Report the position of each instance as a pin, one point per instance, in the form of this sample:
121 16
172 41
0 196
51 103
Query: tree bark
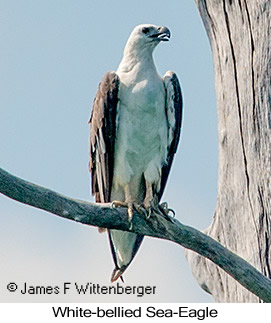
240 36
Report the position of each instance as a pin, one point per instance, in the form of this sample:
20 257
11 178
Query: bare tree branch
103 215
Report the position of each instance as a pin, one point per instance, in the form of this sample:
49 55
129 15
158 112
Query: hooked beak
162 34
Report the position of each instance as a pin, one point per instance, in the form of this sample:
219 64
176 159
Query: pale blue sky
53 55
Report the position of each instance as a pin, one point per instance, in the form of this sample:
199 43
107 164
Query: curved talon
164 205
130 211
172 211
112 205
140 209
149 213
115 204
164 208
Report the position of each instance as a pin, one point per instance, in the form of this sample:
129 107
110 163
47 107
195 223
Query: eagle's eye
145 30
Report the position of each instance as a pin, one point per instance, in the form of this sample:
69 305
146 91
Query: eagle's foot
165 211
151 206
159 209
118 204
130 210
131 207
149 211
139 209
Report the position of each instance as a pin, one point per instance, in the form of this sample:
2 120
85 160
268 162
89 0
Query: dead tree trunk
240 35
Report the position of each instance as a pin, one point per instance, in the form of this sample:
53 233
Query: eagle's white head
144 38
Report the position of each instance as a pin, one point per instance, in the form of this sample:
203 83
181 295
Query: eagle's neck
136 58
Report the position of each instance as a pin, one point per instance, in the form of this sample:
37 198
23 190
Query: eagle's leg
148 198
129 203
132 204
151 204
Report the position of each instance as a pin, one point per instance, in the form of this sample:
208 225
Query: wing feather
102 136
174 107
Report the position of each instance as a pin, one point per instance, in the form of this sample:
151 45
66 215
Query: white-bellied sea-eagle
135 129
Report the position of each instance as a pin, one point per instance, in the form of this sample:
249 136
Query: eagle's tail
124 246
116 274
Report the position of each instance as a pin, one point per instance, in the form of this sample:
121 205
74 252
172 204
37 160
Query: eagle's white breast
141 138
